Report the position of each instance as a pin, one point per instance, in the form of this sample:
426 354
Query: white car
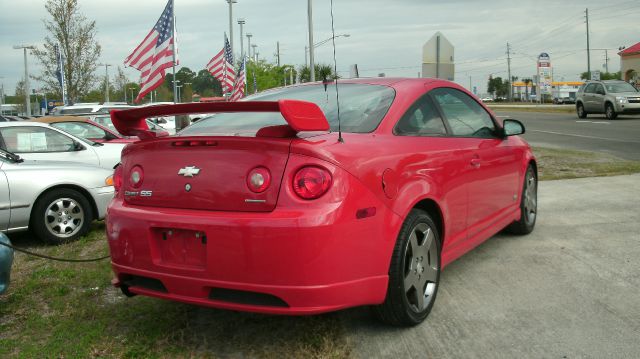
56 200
90 108
487 99
40 142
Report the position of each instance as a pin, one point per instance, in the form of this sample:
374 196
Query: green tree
604 75
77 38
323 71
205 85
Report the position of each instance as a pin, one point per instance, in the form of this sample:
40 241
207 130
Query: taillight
136 176
258 179
311 182
117 178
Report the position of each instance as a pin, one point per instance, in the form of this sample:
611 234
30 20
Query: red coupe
290 204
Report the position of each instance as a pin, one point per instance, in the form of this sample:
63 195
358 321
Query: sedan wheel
414 272
61 215
528 204
610 112
581 112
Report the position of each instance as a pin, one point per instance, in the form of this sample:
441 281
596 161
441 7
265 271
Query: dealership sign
545 77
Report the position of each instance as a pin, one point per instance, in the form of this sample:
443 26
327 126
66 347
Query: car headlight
621 99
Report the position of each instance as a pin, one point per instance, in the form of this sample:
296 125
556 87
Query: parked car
105 120
610 97
7 118
288 210
56 200
82 127
487 99
89 108
38 141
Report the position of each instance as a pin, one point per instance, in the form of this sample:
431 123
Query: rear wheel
610 112
580 110
414 273
61 215
528 204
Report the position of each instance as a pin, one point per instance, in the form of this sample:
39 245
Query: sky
386 36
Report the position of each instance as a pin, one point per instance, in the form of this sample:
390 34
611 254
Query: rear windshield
362 107
74 111
620 87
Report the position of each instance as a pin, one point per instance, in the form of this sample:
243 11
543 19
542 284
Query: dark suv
611 97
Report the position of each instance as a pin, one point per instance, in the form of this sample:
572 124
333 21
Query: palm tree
526 87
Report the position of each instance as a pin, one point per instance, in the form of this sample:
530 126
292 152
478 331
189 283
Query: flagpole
175 49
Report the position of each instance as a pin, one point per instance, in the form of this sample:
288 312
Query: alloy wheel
64 217
421 266
530 197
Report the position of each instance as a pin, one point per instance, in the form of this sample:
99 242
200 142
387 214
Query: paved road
595 133
571 289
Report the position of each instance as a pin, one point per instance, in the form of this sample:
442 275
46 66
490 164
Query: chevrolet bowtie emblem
189 171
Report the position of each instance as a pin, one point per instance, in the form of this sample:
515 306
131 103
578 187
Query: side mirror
77 146
6 260
512 127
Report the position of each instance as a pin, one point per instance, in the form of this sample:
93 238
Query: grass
565 164
67 310
521 108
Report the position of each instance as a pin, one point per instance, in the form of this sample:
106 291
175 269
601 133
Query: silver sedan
56 200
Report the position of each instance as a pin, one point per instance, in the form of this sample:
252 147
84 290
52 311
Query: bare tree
77 38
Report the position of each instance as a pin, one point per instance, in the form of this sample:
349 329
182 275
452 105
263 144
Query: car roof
56 119
22 123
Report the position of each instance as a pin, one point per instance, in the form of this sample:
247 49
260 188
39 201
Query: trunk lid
210 175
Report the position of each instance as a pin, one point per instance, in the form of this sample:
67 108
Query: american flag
221 67
241 81
155 53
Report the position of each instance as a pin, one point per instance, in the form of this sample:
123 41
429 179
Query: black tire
69 208
610 112
580 110
402 306
528 204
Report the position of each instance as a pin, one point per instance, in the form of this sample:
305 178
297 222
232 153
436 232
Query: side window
35 139
590 88
422 119
599 89
81 129
464 115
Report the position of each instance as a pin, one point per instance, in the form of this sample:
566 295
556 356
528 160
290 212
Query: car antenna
335 70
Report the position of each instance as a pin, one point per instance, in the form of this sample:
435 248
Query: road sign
595 75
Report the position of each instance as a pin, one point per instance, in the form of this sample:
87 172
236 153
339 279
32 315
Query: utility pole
278 52
106 81
312 68
231 2
255 55
606 61
26 77
1 96
509 72
249 35
586 11
241 22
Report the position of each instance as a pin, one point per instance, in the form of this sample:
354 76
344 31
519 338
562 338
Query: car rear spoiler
300 115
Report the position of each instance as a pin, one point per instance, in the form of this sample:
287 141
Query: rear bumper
310 259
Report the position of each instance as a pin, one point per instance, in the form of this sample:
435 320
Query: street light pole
255 55
231 2
179 98
189 83
131 89
311 64
241 22
26 77
106 81
249 35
